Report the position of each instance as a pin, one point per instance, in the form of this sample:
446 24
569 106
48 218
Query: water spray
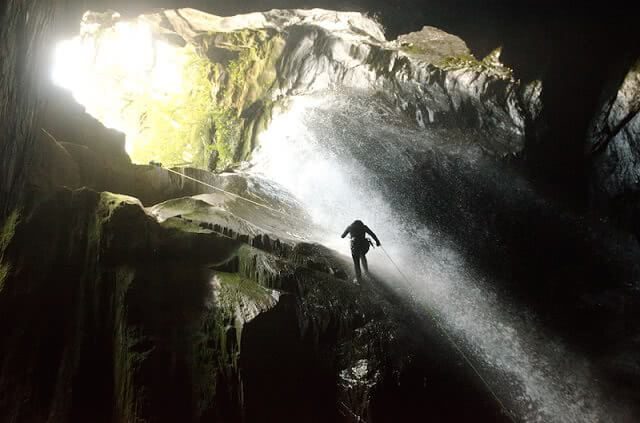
455 345
440 327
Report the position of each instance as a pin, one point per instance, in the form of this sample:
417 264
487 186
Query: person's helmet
358 223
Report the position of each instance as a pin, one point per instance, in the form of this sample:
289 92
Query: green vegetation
234 290
4 273
176 128
209 115
218 341
6 235
183 225
253 72
412 48
9 230
240 88
490 64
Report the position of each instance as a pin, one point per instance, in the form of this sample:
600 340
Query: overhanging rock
232 71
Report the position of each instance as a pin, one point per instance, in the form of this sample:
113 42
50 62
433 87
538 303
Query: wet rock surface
95 311
430 77
614 150
108 315
570 274
433 45
21 46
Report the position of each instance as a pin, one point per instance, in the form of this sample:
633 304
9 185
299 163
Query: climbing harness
435 320
455 345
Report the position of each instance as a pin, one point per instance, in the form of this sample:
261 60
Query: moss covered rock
208 85
107 315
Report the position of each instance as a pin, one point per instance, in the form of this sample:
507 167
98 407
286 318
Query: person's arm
370 232
346 231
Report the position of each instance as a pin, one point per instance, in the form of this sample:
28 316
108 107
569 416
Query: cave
176 176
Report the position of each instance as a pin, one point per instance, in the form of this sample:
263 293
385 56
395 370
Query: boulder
433 45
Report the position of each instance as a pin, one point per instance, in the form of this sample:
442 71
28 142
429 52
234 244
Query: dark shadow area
436 378
549 257
289 378
577 274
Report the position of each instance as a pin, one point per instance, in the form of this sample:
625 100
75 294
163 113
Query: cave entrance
156 91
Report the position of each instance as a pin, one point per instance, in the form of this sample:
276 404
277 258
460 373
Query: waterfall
349 155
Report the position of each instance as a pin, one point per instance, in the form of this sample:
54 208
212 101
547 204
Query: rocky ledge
109 315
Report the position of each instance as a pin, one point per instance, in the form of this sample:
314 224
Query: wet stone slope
108 315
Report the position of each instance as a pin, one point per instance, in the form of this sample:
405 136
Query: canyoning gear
358 231
360 245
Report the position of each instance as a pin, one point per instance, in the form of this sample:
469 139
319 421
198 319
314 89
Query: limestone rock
433 45
248 64
614 139
172 323
53 166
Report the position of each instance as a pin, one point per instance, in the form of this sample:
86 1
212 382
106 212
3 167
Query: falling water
342 155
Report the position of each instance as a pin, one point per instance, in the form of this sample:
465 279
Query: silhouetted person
360 245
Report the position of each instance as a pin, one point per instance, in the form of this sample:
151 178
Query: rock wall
614 153
72 317
323 50
23 26
108 315
251 63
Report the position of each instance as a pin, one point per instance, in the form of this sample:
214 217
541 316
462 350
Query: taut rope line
229 193
456 346
436 321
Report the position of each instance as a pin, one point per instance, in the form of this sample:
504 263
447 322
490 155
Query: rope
208 185
455 345
227 192
353 415
435 320
49 135
264 206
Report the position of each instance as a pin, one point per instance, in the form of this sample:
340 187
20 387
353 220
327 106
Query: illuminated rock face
108 315
155 93
614 139
192 88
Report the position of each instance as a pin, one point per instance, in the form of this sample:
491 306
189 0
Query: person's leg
365 265
356 265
